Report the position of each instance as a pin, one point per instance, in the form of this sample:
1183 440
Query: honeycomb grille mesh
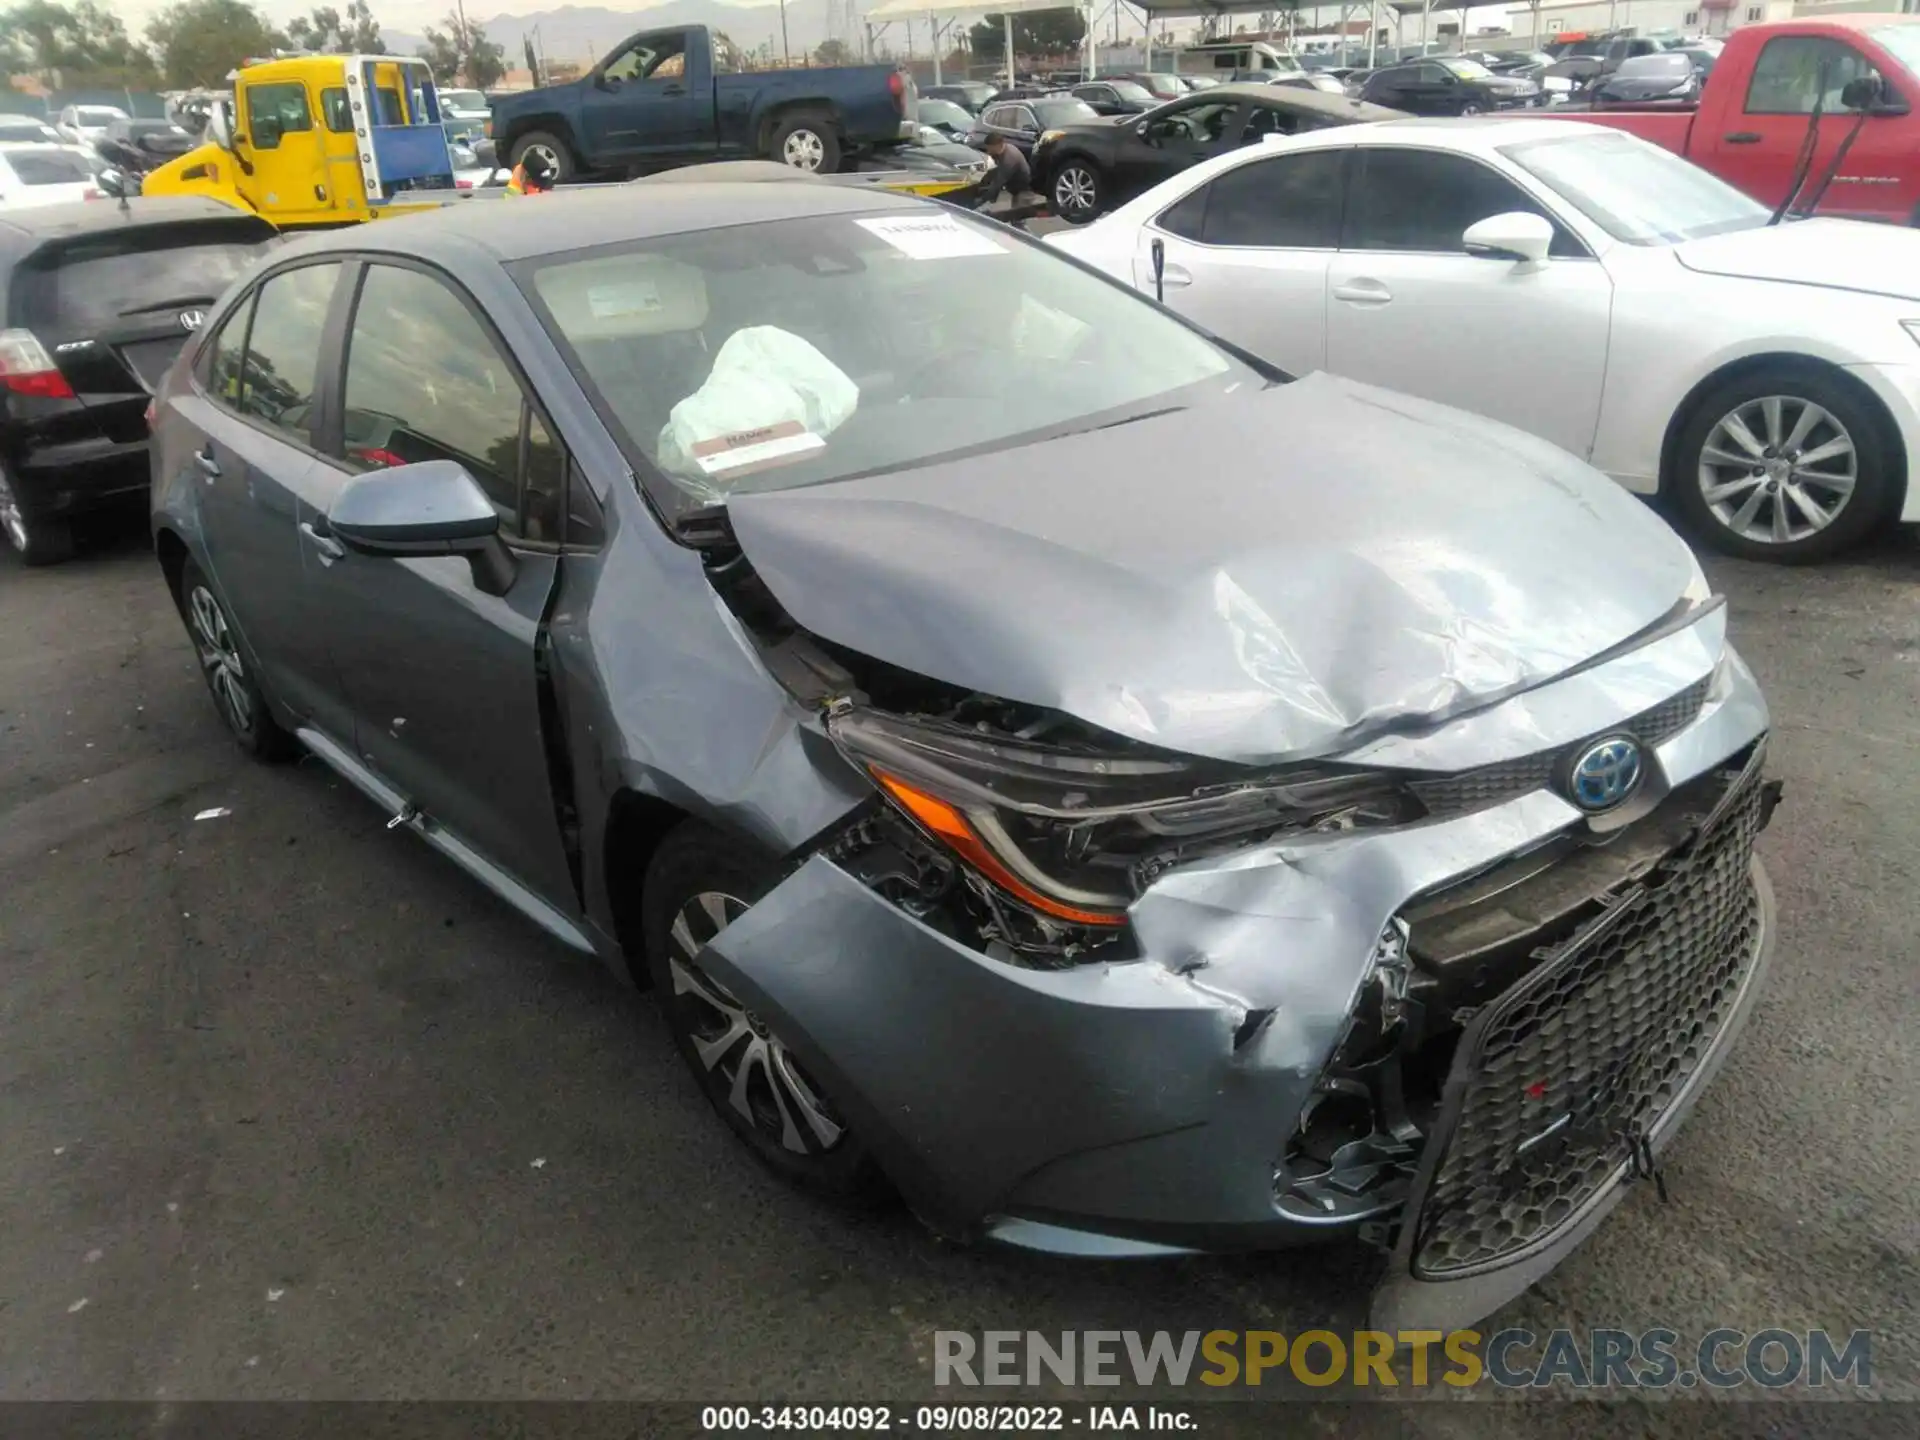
1606 1034
1493 784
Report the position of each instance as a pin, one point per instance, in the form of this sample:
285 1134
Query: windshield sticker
629 297
745 451
933 237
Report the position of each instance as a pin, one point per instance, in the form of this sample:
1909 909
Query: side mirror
1516 236
114 182
220 125
1872 94
433 507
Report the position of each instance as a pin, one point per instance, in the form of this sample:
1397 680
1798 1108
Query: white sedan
34 175
1574 282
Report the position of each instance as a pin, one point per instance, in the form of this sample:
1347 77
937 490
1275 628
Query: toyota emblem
191 320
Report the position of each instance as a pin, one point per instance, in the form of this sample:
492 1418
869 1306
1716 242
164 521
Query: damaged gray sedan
1125 800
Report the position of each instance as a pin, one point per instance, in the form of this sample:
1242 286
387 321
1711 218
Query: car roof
512 229
1298 98
22 230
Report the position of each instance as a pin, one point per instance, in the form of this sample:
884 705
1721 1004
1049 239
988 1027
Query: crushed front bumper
1143 1107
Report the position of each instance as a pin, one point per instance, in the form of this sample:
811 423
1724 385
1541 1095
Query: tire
697 874
236 694
807 141
1473 107
565 167
1077 191
1819 448
38 540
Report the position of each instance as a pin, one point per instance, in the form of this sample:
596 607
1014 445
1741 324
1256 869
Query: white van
1235 60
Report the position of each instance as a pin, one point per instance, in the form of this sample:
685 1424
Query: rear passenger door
443 679
1247 254
259 481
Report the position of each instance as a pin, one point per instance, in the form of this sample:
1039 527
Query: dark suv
97 299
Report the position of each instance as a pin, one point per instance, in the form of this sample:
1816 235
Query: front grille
1503 780
1559 1079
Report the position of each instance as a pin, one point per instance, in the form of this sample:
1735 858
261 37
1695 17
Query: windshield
1900 41
797 352
47 167
1668 65
462 100
943 112
1468 69
1634 191
1063 112
88 116
1127 90
1167 87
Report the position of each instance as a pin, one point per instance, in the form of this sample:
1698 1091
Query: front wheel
1785 464
1473 107
699 882
1078 192
807 141
550 148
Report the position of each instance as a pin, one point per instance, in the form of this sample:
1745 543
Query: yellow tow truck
316 141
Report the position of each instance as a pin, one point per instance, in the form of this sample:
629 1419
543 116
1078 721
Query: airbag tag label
745 451
932 237
630 297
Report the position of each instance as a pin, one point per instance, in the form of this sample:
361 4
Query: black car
947 116
1116 97
98 299
1670 75
1088 168
137 146
1447 85
1023 122
970 95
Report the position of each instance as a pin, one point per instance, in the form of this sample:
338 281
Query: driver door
1175 138
643 105
279 141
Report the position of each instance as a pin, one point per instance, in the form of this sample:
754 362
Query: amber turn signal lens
951 826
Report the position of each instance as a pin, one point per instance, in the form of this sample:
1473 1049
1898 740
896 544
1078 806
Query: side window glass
1292 202
1186 216
629 64
220 367
335 113
1023 119
1424 200
544 502
1786 77
585 527
274 111
426 382
1269 122
283 349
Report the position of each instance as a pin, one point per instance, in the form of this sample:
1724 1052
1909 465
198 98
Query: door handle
673 90
1742 137
1363 292
209 466
1176 275
330 549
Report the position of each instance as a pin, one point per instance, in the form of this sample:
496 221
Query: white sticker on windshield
629 297
932 237
745 451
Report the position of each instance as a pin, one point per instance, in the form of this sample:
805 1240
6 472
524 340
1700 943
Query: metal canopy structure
943 17
1151 10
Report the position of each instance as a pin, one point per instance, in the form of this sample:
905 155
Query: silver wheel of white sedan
1778 469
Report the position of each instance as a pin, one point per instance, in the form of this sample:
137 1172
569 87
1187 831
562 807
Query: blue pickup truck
673 97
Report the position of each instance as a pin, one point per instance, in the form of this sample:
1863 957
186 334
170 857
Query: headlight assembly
1076 832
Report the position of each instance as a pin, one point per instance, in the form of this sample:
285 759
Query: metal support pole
1092 43
1006 24
1426 19
785 51
1373 31
1148 62
937 47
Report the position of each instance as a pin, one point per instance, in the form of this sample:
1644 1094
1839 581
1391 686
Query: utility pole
460 40
785 50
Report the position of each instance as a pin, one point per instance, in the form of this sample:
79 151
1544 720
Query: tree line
195 44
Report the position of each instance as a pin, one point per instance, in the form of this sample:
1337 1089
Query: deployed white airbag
770 399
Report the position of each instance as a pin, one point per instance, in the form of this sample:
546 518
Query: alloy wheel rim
762 1079
546 153
220 658
804 150
11 520
1778 469
1073 190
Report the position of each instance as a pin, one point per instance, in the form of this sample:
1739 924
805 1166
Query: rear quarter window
92 284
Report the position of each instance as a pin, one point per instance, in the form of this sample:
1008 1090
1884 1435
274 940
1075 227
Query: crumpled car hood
1277 574
1835 254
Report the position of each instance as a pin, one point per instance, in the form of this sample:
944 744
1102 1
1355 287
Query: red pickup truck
1757 105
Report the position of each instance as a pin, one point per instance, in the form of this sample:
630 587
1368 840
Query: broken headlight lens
1076 831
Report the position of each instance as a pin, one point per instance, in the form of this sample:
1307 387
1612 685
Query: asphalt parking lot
293 1109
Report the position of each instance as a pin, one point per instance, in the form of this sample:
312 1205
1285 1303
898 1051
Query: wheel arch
779 111
172 552
1746 365
551 122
